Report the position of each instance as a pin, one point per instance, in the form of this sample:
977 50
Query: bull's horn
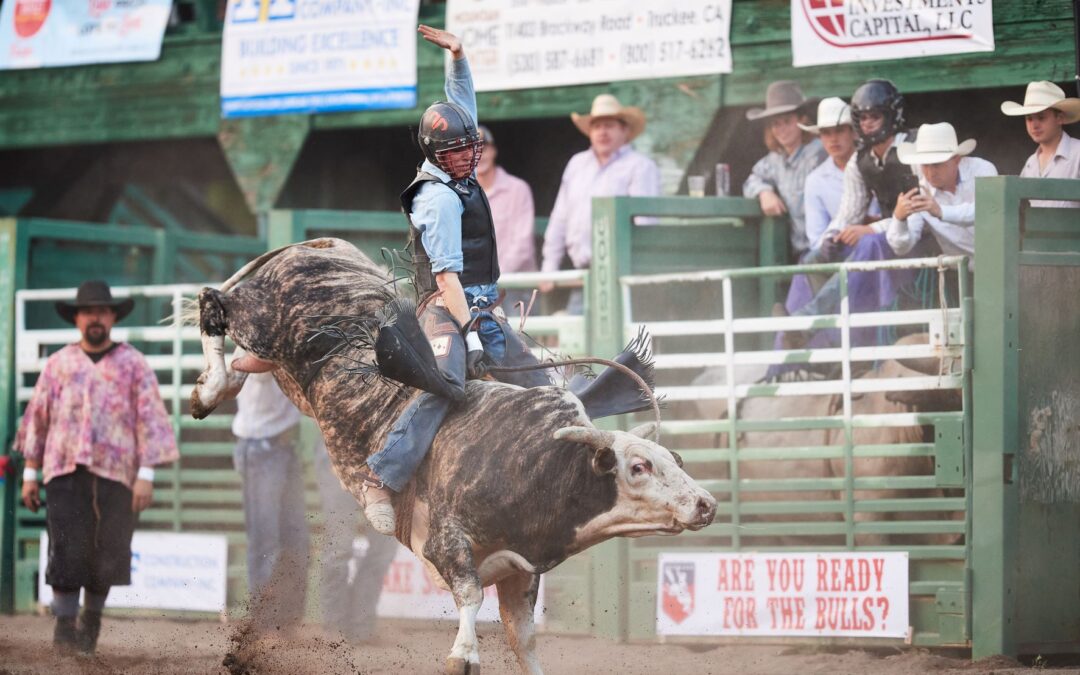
595 438
647 430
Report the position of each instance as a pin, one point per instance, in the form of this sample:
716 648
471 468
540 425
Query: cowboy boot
379 508
65 637
89 628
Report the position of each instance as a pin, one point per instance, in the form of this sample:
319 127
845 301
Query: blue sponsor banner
48 33
315 56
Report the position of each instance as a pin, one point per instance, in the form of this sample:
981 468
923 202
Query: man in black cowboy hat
95 427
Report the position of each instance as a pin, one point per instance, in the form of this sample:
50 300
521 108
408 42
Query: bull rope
645 388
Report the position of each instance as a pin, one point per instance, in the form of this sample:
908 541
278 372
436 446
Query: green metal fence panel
1027 503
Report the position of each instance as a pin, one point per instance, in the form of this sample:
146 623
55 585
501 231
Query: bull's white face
655 495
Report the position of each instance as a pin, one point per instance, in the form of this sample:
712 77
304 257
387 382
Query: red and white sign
409 593
843 31
796 594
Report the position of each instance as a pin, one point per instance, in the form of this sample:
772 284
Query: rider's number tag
441 345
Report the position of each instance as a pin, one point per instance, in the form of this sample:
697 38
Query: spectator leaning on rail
945 202
778 178
96 426
609 168
512 212
1046 110
266 427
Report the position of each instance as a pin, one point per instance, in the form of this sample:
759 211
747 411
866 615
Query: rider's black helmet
878 96
445 128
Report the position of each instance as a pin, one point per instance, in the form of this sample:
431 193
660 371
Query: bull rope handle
645 388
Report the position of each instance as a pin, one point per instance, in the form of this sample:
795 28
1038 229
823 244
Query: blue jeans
410 439
276 526
348 600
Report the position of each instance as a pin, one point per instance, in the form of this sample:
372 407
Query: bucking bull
517 479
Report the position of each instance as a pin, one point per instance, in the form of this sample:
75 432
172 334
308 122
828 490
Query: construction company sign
48 33
842 31
783 594
311 56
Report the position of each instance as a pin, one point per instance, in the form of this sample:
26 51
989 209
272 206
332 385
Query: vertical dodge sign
518 44
308 56
798 594
842 31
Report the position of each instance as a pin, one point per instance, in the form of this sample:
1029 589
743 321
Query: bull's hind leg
517 600
212 384
449 551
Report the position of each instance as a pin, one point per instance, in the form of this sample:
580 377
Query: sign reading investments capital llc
798 594
169 570
845 31
518 44
308 56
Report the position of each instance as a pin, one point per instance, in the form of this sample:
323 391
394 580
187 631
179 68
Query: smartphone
908 182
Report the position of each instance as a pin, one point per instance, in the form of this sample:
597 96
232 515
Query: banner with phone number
522 44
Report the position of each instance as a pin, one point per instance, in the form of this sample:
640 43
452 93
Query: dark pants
90 523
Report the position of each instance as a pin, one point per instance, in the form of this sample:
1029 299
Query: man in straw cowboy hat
777 179
1046 110
609 168
944 202
95 426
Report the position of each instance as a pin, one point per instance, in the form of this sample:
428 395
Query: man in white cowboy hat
777 179
1045 111
609 168
95 426
944 202
825 184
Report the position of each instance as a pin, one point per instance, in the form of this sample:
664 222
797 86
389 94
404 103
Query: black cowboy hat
94 294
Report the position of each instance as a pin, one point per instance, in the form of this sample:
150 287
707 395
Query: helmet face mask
882 97
450 140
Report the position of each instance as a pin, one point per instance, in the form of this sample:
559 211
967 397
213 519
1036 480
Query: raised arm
459 85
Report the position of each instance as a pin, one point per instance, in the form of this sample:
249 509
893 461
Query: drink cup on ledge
695 186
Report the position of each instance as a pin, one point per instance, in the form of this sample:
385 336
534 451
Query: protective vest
886 180
481 256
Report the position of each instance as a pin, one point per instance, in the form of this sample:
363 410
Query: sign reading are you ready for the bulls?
783 594
519 44
311 56
843 31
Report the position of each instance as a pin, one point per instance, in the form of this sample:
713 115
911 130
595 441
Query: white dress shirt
955 230
856 200
1064 164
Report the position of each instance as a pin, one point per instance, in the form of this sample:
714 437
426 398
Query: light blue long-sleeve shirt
436 209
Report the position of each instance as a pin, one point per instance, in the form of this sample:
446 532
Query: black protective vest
885 181
481 256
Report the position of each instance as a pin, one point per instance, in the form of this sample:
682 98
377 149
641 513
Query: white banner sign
799 594
43 33
519 44
168 571
409 593
843 31
308 56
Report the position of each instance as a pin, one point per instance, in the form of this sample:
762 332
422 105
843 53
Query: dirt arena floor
181 647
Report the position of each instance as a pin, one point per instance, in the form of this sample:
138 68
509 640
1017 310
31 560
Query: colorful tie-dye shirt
107 416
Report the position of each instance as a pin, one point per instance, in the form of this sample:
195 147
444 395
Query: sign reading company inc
309 56
791 594
45 33
169 570
841 31
519 44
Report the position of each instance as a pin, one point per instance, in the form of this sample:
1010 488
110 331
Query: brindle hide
498 499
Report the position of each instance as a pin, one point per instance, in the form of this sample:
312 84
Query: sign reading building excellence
842 31
310 56
523 44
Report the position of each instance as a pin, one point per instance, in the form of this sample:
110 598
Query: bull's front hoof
461 667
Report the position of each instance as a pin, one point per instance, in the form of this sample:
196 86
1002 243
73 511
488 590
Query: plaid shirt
786 176
107 416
